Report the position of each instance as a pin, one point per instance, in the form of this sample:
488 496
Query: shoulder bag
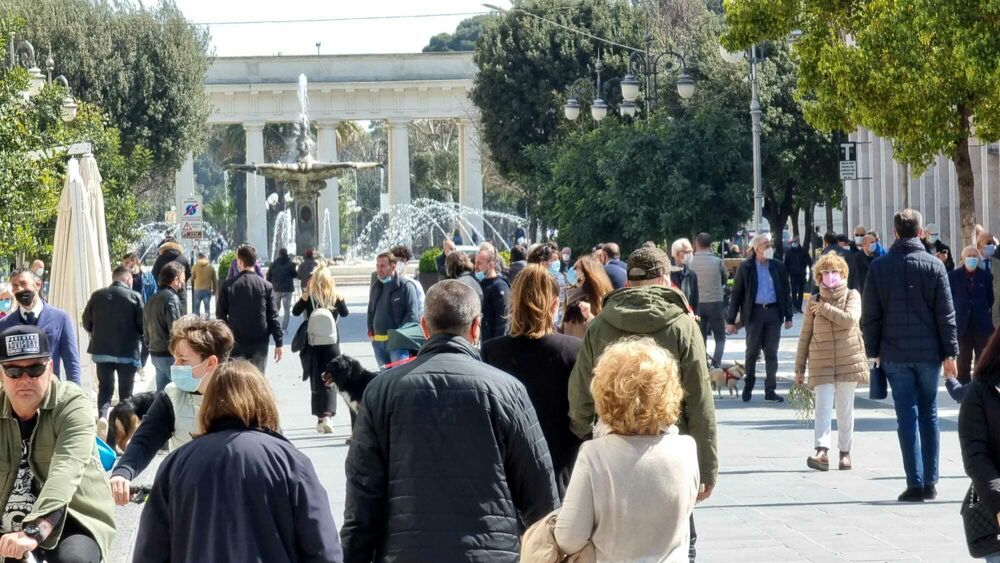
982 531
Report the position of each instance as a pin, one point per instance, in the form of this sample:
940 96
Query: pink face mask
832 280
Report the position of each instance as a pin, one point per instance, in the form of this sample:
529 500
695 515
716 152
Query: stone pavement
767 507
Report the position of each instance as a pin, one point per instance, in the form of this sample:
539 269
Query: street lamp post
755 112
23 53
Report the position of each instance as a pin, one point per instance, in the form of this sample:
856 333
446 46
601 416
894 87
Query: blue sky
405 35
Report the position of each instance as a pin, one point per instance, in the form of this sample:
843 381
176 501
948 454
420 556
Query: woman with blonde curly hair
641 467
542 360
830 342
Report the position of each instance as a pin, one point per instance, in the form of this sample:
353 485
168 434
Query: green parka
64 460
660 313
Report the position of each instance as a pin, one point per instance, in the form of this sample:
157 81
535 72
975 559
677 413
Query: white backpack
321 328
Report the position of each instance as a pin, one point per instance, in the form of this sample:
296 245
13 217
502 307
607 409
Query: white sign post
849 161
190 219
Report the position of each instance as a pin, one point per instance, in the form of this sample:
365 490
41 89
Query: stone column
470 174
399 162
329 199
256 192
184 183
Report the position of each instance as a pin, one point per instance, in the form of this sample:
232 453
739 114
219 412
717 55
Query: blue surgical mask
183 377
971 262
386 279
554 268
989 250
571 276
480 276
5 306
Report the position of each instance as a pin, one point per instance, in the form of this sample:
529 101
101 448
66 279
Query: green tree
144 67
918 73
464 38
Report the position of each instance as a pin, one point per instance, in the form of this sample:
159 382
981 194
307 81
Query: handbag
538 545
878 385
982 531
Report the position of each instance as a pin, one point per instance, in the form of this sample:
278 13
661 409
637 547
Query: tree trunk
966 179
830 228
806 241
795 223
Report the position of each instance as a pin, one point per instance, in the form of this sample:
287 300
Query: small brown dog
728 377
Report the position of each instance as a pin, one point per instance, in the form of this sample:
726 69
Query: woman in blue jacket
972 294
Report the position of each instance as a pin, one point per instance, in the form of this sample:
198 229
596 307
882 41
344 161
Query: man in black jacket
246 304
158 318
762 300
832 242
439 262
170 251
860 263
797 261
908 323
496 293
392 303
113 318
282 274
469 464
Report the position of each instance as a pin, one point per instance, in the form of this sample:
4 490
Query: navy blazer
58 327
973 301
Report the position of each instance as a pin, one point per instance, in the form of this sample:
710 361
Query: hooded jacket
447 463
282 275
661 314
171 252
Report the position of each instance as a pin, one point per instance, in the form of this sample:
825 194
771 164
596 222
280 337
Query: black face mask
25 297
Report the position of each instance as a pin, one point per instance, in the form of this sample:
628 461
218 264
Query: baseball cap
647 263
23 342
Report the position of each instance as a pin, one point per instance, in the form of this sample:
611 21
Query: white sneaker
324 427
102 428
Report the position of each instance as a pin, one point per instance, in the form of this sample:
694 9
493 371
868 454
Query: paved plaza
767 507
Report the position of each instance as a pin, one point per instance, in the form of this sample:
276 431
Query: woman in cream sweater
635 484
830 342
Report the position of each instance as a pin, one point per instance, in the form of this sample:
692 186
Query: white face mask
769 254
687 259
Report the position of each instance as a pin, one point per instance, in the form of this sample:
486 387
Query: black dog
350 377
125 417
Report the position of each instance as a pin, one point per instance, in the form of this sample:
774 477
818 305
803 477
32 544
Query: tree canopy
464 38
919 73
143 66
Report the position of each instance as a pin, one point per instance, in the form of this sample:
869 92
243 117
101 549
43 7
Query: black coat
282 275
937 247
113 317
315 358
237 495
796 262
979 434
907 315
617 272
246 304
404 301
468 279
686 280
543 365
973 301
158 318
745 290
171 252
446 463
858 266
496 295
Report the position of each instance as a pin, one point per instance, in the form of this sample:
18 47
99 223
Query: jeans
162 366
284 301
713 320
763 333
255 354
106 384
842 395
914 391
993 558
203 296
383 355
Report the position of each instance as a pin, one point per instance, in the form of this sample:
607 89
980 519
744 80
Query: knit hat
647 263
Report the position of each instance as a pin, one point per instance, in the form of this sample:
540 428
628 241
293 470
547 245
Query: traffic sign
191 209
192 230
849 161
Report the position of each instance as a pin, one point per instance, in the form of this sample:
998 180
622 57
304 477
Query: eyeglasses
825 272
34 371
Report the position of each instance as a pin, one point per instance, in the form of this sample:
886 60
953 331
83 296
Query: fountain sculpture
306 177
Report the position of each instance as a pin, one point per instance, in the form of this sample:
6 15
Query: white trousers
840 395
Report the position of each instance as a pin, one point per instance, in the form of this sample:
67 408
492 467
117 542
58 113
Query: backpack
321 329
148 286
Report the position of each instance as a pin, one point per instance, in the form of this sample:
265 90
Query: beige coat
831 341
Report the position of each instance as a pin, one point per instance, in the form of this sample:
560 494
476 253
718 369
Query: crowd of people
575 391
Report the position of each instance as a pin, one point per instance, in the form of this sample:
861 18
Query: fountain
402 224
152 234
284 233
305 177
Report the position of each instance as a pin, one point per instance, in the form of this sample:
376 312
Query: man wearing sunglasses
54 494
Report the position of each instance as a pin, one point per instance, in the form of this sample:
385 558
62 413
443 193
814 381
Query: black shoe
913 494
774 398
747 395
930 492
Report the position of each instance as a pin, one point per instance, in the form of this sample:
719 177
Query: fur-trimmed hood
168 246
